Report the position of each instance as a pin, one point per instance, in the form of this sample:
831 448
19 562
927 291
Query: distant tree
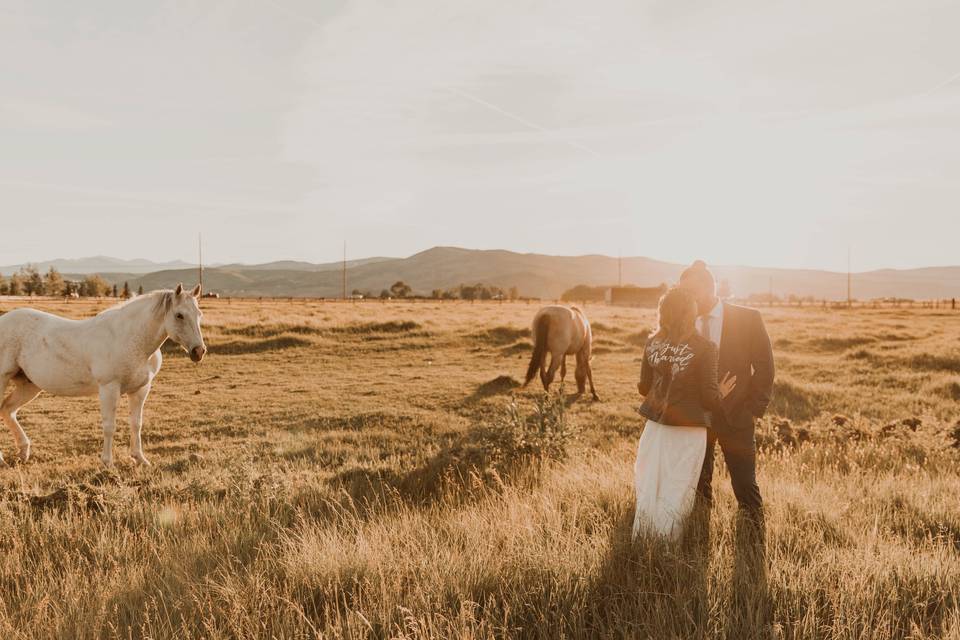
584 293
94 286
53 283
400 289
15 285
32 280
356 292
384 294
3 285
114 291
437 294
126 291
468 292
514 293
140 290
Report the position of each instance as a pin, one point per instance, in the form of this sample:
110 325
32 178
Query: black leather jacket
679 381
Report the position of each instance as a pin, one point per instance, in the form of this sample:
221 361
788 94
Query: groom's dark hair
697 270
697 279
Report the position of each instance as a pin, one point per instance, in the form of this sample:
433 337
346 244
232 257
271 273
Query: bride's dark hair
678 315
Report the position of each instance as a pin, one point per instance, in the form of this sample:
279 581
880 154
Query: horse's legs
563 368
137 399
581 373
547 377
4 380
23 392
593 391
109 396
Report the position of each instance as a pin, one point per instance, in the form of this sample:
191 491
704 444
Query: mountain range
534 275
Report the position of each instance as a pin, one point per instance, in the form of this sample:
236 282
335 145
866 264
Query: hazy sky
748 132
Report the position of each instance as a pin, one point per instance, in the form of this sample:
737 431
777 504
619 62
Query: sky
757 132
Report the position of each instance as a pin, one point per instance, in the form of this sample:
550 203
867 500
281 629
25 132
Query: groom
746 353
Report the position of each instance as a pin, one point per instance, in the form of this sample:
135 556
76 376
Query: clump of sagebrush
537 436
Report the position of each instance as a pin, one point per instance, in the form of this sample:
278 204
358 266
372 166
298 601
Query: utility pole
849 288
344 272
200 259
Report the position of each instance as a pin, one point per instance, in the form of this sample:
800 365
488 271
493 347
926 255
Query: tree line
28 281
401 289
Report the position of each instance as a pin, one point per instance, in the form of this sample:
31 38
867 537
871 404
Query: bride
678 380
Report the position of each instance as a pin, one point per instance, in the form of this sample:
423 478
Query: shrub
545 434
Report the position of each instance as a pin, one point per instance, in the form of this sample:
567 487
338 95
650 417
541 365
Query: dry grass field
369 470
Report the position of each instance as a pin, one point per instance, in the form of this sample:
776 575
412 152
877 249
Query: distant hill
98 264
296 265
534 275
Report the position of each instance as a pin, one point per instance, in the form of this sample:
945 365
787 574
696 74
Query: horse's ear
196 291
179 289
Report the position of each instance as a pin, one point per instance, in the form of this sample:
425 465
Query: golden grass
334 477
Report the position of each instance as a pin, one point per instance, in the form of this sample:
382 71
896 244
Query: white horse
116 352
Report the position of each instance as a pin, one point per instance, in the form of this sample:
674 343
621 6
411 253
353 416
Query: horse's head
183 322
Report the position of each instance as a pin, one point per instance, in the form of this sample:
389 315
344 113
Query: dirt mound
270 330
240 347
955 436
498 386
840 420
367 328
949 390
81 496
932 362
500 336
517 348
839 344
639 339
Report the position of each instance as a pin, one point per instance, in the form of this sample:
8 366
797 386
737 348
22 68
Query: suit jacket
745 352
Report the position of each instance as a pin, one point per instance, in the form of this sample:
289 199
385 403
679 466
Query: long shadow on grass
651 586
453 474
657 588
750 612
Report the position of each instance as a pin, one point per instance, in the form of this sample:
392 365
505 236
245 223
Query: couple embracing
707 375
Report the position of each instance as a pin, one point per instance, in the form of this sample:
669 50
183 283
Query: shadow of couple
656 587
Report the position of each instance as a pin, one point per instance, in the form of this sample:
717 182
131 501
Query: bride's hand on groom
727 384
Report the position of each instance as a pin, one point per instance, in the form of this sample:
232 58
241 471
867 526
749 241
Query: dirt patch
517 348
500 336
839 344
896 337
79 496
368 328
498 386
270 330
932 362
639 339
240 347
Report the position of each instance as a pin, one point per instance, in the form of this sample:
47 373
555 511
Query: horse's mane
162 302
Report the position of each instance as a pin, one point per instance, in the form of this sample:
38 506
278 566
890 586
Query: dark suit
746 353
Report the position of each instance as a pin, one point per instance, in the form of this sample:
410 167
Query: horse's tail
540 329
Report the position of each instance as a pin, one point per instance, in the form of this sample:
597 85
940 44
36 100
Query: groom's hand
728 384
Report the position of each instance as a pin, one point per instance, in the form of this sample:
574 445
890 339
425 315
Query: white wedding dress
669 461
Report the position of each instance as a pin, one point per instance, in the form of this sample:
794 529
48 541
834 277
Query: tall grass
416 493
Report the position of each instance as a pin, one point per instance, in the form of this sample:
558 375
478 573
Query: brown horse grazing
561 331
